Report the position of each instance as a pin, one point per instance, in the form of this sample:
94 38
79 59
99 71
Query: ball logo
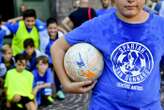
132 62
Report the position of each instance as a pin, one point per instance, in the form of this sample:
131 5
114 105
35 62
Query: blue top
105 11
14 27
48 49
46 78
132 54
2 34
31 63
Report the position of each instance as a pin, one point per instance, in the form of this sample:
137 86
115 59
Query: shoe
50 99
60 95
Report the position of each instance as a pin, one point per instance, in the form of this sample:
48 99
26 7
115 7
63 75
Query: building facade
44 8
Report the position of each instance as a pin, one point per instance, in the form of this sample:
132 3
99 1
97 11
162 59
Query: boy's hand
8 105
79 87
16 98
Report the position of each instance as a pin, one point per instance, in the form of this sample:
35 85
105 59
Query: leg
47 96
59 93
30 105
16 98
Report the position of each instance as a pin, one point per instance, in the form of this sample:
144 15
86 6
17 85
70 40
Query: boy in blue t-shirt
54 34
131 42
31 53
43 80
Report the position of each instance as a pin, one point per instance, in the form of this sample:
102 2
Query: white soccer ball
82 62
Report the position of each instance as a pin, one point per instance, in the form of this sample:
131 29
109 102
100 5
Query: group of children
26 72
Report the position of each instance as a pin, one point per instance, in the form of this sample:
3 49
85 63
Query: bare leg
31 106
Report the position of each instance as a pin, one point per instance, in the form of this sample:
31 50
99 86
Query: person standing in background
83 13
107 6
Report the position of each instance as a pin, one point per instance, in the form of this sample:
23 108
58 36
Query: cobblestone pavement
79 102
71 102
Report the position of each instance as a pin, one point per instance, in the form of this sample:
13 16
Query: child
23 30
4 31
43 80
31 52
7 58
54 34
18 85
131 41
7 61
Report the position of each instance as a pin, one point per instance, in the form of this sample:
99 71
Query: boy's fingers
85 83
87 88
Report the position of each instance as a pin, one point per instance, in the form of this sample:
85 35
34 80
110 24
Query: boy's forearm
68 24
58 59
35 90
45 85
13 20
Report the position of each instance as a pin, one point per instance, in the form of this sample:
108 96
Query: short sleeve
40 25
12 27
82 33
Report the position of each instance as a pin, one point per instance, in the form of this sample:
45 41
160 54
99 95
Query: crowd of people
28 76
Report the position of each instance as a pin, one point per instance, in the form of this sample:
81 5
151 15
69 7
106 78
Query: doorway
7 9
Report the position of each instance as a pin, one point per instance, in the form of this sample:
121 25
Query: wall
65 7
42 7
47 8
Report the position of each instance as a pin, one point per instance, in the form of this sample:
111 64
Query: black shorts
25 100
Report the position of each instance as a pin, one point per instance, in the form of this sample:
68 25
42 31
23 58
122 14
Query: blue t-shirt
2 34
105 11
46 78
48 49
31 63
131 54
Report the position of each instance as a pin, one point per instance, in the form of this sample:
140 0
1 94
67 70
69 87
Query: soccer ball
82 62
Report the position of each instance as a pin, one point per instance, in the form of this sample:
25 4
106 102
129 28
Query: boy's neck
40 73
140 18
19 71
54 37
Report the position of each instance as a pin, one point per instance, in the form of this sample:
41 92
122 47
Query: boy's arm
68 24
7 31
12 27
41 86
58 50
14 20
40 25
61 29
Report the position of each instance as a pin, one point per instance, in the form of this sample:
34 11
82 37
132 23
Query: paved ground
71 102
78 102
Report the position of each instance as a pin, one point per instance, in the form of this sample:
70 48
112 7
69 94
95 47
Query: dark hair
42 58
50 21
20 57
28 42
29 13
